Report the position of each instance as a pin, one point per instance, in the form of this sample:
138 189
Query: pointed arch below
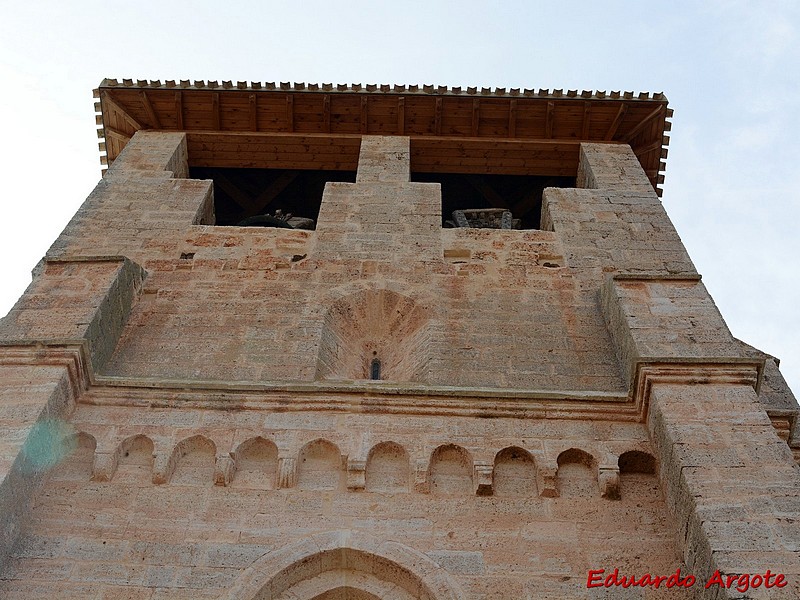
324 565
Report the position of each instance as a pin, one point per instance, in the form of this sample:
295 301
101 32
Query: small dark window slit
375 369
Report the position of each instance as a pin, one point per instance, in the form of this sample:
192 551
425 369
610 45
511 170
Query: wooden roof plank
148 108
612 129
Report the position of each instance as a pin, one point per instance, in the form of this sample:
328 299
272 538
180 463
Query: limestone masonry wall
186 410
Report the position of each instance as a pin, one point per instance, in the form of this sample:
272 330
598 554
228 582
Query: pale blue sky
729 68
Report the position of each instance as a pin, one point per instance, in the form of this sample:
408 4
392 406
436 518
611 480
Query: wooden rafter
525 204
642 150
480 184
587 117
122 111
179 110
148 108
236 194
612 130
215 116
289 112
280 183
364 115
412 112
252 102
642 124
401 115
512 119
117 135
549 120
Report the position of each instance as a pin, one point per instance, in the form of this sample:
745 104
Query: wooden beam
642 124
148 108
549 119
231 189
290 112
525 204
364 114
437 117
215 116
326 112
512 119
648 148
123 112
587 117
117 135
179 110
476 116
253 103
280 183
401 115
616 122
479 184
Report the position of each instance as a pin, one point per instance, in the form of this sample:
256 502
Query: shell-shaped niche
375 334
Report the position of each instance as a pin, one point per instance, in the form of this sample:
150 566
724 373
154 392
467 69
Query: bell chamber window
255 197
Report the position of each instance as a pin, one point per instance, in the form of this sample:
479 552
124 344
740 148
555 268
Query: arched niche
388 469
319 467
375 327
577 474
256 465
77 457
637 476
451 471
331 565
135 455
195 458
514 474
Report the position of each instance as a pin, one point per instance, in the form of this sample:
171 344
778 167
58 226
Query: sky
730 69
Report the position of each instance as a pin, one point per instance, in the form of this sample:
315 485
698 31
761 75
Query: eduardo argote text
741 583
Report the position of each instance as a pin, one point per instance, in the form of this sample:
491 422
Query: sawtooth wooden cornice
296 126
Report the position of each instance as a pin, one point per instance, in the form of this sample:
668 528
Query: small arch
135 460
637 476
451 471
577 474
319 467
77 458
375 369
388 468
195 458
514 473
256 464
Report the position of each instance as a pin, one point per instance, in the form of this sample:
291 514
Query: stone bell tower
357 342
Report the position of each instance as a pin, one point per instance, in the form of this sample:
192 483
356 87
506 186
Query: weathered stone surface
550 401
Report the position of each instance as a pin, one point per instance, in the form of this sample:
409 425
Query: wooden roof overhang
452 130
